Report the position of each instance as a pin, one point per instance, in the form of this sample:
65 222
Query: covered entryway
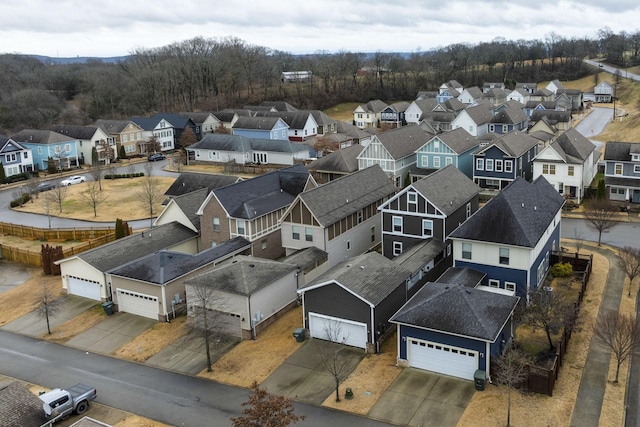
137 303
84 288
443 359
339 330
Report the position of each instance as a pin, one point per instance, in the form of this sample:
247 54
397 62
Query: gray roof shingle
404 141
19 407
459 140
188 182
447 188
344 160
573 146
621 151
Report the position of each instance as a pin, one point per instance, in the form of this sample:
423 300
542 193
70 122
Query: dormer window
635 157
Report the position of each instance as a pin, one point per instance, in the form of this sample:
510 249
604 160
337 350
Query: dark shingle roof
19 407
344 160
241 144
403 141
344 196
510 115
280 105
480 113
244 275
146 123
462 276
513 144
417 256
189 204
553 117
192 181
615 150
573 146
459 140
294 119
40 136
112 126
447 188
259 123
370 276
307 257
76 132
518 216
197 116
457 309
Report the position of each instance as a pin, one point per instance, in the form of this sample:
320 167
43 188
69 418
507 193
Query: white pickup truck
60 403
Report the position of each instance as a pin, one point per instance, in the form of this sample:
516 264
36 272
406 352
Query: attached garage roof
456 309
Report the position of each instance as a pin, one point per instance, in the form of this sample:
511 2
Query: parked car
60 403
76 179
156 156
46 186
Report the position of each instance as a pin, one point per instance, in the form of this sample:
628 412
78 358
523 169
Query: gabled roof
399 106
544 92
459 140
352 130
513 144
178 121
307 257
621 151
553 117
188 182
189 203
453 104
198 116
573 147
542 135
403 141
518 216
280 105
371 277
294 119
509 115
426 94
8 145
532 86
512 103
113 126
465 276
480 113
19 406
243 275
447 189
76 132
257 123
417 256
475 92
263 194
546 105
347 195
121 251
426 105
457 309
344 160
164 266
375 106
241 144
146 123
37 136
322 119
225 116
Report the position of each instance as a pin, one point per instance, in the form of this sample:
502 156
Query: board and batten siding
323 300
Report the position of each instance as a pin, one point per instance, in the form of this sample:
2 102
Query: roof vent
347 200
252 265
535 208
523 204
362 267
348 265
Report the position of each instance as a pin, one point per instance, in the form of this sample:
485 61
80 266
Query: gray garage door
84 288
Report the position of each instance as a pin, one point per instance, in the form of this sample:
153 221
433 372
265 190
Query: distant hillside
77 59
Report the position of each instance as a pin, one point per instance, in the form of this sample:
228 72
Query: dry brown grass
136 421
82 322
371 378
255 360
153 340
489 408
25 298
33 245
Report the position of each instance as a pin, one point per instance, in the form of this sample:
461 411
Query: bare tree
512 370
266 410
47 203
333 353
18 194
48 306
578 238
551 312
150 194
31 186
96 172
600 215
618 333
58 195
630 262
106 152
93 196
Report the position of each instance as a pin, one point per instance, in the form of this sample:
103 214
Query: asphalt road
161 395
613 70
623 234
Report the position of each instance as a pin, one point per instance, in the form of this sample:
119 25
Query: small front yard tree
150 194
93 196
333 353
512 370
48 306
550 311
630 262
619 333
600 215
264 409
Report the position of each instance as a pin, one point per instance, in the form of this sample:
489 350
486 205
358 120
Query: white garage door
84 288
443 359
339 330
136 303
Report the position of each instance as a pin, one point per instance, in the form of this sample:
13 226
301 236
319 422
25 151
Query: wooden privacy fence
52 234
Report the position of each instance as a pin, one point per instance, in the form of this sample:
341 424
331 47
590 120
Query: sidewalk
588 405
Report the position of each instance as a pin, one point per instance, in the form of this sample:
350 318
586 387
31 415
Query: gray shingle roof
347 195
295 119
307 257
40 136
552 117
280 105
19 407
344 160
375 106
447 188
615 150
188 182
480 113
322 119
241 144
189 204
259 123
112 126
513 144
573 146
417 256
518 216
459 310
510 115
462 276
459 140
371 276
76 132
475 92
404 141
244 275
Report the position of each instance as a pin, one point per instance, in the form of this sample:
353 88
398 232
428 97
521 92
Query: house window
397 248
449 249
308 234
436 144
39 150
427 228
489 165
295 232
504 256
540 273
436 162
425 161
498 165
492 128
505 128
448 161
373 234
263 244
636 168
466 251
520 163
468 210
397 224
412 198
510 286
618 169
493 283
480 164
359 217
548 169
508 166
240 227
570 170
348 245
561 188
67 147
216 224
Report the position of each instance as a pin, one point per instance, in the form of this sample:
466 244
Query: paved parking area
13 274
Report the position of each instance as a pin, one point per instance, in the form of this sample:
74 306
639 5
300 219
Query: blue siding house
449 148
261 128
511 238
454 330
45 143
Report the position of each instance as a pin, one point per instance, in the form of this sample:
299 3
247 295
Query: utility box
480 379
299 334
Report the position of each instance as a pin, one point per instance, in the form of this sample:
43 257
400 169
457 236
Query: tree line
203 74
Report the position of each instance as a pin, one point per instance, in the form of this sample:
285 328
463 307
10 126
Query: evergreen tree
3 175
51 165
122 154
601 193
119 229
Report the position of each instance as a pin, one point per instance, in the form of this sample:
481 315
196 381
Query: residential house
183 209
252 209
394 114
563 101
279 105
470 95
229 117
45 144
622 171
504 159
261 128
84 274
336 164
426 94
554 86
301 124
542 125
520 95
88 138
159 128
451 84
569 164
415 111
528 87
474 119
603 92
153 285
224 148
509 119
180 124
340 217
14 158
510 239
395 151
446 94
561 120
454 330
326 125
354 133
430 208
574 96
426 261
543 94
488 87
296 76
496 97
353 302
204 121
368 115
532 106
454 147
123 133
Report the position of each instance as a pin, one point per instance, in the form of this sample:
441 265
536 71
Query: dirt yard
153 340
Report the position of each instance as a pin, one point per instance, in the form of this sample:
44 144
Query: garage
345 331
137 303
84 288
443 359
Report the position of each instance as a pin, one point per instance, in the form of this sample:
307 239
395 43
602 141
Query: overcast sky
103 28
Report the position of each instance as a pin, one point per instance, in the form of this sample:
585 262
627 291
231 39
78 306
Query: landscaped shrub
20 201
561 269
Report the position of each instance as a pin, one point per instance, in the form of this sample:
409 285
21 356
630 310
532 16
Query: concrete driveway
34 325
12 274
111 333
304 377
421 398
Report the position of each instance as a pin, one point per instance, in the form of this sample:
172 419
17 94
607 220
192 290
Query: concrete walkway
588 406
